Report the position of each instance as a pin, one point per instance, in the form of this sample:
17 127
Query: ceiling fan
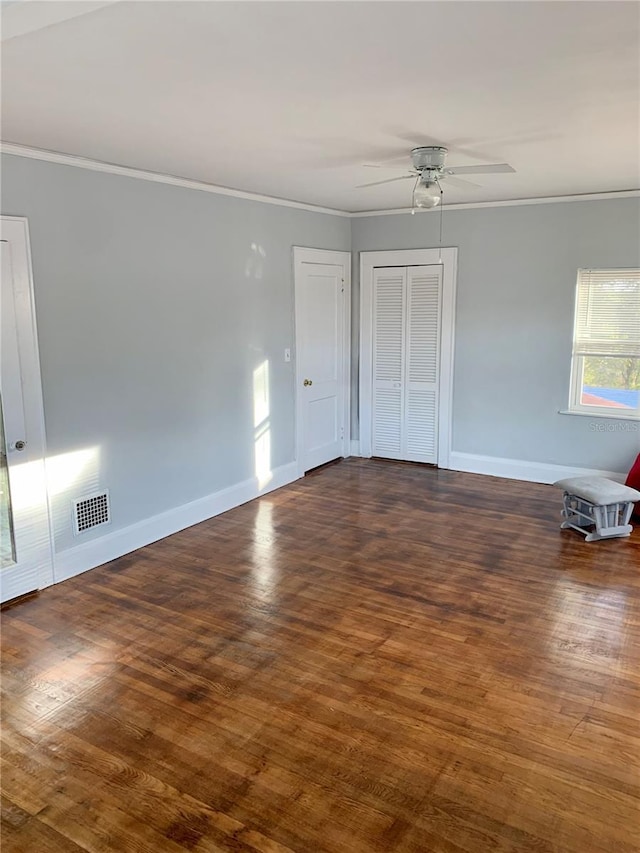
429 169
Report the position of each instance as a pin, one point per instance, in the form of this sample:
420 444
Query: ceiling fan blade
387 181
459 182
382 164
491 169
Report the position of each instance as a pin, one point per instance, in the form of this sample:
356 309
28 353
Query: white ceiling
290 99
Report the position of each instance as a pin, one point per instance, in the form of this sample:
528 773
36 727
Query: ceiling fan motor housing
429 157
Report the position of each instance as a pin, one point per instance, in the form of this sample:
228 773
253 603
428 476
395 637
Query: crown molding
201 186
157 177
515 202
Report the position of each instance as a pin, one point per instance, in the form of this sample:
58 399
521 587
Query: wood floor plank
379 657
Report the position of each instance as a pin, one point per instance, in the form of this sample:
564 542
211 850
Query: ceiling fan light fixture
427 195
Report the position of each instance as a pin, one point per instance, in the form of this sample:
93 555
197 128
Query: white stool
596 501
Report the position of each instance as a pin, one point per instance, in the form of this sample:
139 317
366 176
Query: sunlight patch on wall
70 476
261 424
255 262
66 470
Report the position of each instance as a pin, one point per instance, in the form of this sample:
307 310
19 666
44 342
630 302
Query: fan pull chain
441 205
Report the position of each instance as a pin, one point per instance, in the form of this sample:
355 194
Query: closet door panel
422 363
389 308
406 362
421 426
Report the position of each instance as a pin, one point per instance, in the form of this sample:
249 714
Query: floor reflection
588 622
263 570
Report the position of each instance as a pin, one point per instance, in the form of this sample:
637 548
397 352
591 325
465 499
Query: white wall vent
91 511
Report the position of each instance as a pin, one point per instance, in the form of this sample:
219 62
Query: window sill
617 417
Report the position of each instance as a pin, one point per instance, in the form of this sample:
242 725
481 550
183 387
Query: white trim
15 229
173 180
521 469
514 202
355 448
402 258
602 413
157 177
304 255
81 558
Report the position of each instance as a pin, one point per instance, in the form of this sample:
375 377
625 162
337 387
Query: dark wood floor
379 657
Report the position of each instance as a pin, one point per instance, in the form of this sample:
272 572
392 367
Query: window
605 366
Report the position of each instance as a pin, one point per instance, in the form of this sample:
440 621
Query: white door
406 362
322 355
25 544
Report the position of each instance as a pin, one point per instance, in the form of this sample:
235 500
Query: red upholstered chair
633 480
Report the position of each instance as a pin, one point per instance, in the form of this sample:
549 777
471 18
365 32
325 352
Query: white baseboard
520 469
81 558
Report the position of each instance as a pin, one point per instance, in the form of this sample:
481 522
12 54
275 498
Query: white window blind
608 313
605 364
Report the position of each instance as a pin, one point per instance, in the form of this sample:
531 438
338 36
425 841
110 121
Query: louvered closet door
406 358
422 363
389 295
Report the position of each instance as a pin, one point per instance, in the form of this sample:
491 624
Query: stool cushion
598 490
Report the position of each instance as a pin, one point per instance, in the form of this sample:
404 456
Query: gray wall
514 317
154 306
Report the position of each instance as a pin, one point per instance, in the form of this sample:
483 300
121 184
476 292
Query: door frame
303 255
15 229
448 258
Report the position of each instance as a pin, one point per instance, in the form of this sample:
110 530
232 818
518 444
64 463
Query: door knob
307 382
20 445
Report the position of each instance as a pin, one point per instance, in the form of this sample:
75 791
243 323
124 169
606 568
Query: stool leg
578 514
569 511
600 518
610 523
